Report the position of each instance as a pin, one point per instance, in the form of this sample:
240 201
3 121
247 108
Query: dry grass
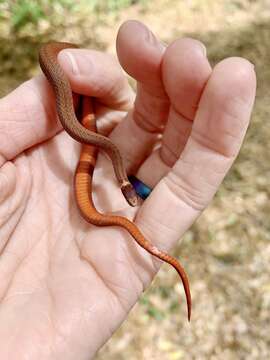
227 252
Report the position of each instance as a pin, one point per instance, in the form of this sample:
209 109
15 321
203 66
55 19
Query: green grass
21 14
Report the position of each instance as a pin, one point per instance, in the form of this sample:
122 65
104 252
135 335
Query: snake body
86 133
64 104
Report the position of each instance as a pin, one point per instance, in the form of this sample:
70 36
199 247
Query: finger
218 131
185 71
28 115
142 56
94 73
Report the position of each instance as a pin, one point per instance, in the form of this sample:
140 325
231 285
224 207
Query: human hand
65 285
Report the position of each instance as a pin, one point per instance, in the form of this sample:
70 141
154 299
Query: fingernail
203 49
164 44
72 61
152 39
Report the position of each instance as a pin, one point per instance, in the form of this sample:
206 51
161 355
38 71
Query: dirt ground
226 253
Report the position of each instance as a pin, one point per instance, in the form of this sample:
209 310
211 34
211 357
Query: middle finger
185 71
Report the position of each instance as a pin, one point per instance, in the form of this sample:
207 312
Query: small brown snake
86 133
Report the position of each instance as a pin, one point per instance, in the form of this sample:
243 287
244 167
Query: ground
227 251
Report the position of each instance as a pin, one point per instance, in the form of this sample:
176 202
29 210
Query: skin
83 129
48 54
66 286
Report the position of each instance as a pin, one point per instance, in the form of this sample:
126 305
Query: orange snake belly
86 133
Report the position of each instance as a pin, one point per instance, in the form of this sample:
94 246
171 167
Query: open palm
65 286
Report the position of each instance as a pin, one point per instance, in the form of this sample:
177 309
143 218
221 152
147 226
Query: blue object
142 190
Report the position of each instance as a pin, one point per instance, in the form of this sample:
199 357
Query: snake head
129 193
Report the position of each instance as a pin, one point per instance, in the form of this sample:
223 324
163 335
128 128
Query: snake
84 130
